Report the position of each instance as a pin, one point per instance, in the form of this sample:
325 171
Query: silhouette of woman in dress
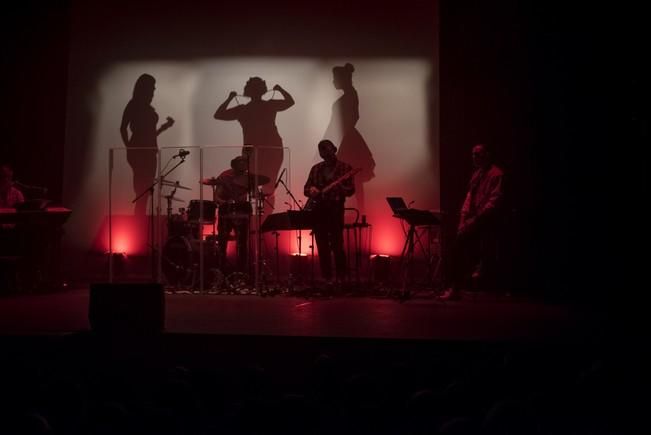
140 117
352 147
263 144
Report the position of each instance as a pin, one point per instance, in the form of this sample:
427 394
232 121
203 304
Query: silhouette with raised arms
263 145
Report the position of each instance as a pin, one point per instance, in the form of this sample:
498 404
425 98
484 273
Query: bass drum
178 226
181 261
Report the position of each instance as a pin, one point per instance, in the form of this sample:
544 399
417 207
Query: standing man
475 247
328 200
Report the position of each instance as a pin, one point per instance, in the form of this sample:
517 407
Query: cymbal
246 180
173 184
210 181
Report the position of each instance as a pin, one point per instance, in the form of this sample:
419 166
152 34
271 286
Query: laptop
411 215
397 204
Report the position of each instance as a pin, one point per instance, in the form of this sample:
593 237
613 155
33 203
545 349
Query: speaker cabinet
129 308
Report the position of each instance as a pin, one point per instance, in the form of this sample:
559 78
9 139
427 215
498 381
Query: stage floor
473 318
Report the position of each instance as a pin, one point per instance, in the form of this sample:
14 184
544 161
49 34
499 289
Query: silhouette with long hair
263 146
140 117
352 146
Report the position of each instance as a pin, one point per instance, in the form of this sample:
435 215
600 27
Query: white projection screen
396 80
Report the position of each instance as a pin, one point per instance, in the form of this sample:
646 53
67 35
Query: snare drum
235 210
209 209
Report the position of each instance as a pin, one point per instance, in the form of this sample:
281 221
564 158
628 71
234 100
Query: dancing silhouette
352 146
263 146
141 118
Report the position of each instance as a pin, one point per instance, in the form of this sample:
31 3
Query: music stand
289 221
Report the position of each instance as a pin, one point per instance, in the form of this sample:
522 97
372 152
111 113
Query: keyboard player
10 196
29 240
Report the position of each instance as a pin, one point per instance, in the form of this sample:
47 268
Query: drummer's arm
219 195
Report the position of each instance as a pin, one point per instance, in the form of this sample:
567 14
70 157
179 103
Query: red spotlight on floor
380 267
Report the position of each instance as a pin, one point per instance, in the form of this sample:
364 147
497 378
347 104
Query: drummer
231 196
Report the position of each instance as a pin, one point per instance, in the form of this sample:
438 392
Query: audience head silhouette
255 88
143 90
343 76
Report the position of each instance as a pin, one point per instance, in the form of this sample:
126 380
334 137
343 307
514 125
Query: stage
478 316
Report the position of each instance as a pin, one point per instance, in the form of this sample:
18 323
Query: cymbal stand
354 248
150 189
169 199
276 235
291 195
260 284
312 273
214 223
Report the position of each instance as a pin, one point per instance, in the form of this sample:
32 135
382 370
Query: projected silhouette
140 117
352 147
262 144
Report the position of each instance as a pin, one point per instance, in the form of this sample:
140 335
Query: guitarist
329 208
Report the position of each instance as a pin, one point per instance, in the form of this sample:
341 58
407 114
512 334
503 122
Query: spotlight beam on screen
393 120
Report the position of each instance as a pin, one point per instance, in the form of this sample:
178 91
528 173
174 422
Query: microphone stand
300 237
298 205
261 284
169 207
150 189
289 192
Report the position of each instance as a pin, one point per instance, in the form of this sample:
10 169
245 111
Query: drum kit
186 239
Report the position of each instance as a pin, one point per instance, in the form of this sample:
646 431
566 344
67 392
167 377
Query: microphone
182 154
280 178
408 205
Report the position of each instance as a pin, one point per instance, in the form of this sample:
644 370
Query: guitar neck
339 180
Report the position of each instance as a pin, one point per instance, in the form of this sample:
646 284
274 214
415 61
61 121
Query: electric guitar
313 201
